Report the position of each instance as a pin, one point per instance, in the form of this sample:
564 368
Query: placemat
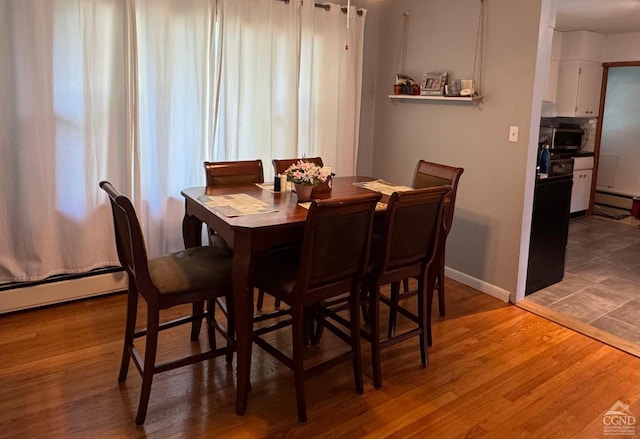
236 204
379 206
269 187
384 187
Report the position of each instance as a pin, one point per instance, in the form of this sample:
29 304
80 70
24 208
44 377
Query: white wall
485 241
622 47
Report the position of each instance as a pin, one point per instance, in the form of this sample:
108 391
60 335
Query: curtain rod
328 7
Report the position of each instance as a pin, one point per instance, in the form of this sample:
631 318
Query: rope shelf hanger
404 84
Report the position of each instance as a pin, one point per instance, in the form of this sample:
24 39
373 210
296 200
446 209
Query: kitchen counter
569 153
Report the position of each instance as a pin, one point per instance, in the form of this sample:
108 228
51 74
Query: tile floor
601 286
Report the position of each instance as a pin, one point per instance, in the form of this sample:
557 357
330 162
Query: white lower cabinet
581 191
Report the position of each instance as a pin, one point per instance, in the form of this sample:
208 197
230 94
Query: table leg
243 309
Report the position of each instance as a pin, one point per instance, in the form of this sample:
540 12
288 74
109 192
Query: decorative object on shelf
453 88
467 87
405 85
433 84
305 176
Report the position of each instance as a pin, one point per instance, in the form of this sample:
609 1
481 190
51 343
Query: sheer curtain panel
61 129
140 93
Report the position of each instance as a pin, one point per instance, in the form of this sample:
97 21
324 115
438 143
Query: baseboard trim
478 284
62 291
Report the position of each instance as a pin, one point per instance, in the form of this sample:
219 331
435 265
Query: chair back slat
336 240
130 244
281 165
429 174
234 173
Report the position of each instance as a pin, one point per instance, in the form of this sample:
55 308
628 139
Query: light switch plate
513 133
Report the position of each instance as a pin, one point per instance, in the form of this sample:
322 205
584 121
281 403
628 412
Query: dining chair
281 165
429 174
406 247
233 173
187 276
331 261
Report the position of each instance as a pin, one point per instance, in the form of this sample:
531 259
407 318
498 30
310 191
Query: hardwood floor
496 371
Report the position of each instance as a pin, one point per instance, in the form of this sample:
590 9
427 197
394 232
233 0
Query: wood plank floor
496 371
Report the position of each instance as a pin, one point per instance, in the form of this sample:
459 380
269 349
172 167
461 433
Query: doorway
600 293
617 151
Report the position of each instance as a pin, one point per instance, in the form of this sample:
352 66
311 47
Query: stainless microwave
562 138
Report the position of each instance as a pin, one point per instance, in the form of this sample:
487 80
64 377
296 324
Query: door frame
596 146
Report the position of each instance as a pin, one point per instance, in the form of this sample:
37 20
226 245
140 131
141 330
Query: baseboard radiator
63 290
613 199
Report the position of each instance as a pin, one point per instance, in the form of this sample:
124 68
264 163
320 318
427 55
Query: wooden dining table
248 235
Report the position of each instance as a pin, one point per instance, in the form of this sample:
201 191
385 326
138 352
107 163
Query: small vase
303 191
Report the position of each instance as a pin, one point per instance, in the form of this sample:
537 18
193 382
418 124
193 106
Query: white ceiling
601 16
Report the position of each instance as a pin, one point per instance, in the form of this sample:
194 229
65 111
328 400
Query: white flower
304 172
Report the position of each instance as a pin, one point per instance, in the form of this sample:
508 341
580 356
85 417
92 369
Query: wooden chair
331 262
281 165
429 174
406 248
188 276
233 174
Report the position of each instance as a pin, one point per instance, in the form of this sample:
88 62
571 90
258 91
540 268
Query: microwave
562 138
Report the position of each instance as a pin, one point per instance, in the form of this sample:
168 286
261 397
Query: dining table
280 222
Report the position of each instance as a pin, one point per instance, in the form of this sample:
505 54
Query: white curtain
61 130
141 92
291 76
331 82
171 107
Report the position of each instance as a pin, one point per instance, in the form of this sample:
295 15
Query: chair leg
260 300
198 308
316 327
423 317
405 285
430 285
297 327
355 339
211 329
151 346
231 328
277 303
393 308
364 304
129 330
374 331
440 284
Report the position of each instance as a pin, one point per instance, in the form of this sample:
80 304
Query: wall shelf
437 98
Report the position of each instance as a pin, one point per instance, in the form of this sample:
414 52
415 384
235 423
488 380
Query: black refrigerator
549 231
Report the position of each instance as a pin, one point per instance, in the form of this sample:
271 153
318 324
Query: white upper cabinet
579 84
579 74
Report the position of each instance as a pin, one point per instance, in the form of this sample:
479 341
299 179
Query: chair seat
277 269
216 241
198 268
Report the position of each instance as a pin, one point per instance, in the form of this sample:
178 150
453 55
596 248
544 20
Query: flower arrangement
307 173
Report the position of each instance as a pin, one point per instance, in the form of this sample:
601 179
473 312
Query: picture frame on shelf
433 83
